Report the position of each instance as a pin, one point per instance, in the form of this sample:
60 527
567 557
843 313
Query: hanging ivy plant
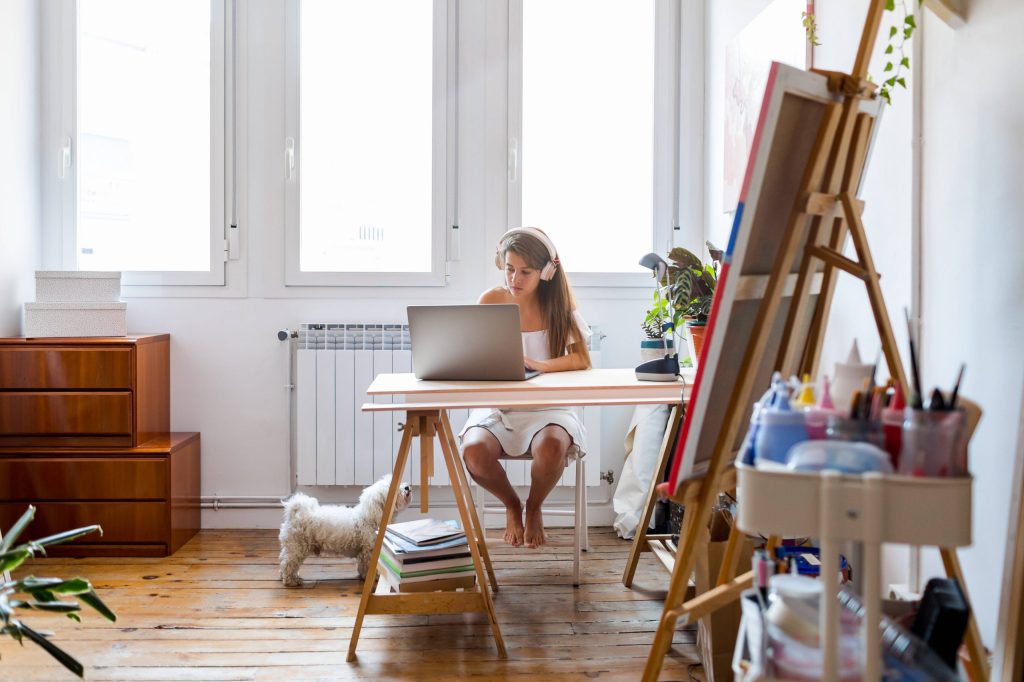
897 60
896 57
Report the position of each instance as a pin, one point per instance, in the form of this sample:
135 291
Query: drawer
56 417
122 522
65 368
34 479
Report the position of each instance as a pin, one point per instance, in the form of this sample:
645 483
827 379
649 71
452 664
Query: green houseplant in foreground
43 594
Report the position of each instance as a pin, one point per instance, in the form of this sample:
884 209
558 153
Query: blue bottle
781 427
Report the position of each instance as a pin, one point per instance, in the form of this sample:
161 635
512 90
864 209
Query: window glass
587 147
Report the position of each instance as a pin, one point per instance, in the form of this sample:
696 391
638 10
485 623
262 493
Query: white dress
516 428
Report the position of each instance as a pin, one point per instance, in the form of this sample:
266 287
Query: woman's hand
564 363
538 365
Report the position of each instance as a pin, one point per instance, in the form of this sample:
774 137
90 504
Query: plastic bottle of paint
817 416
748 453
892 426
781 428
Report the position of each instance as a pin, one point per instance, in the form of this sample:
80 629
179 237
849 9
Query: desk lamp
666 368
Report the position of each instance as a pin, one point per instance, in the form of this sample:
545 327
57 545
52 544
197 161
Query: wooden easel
659 544
827 194
426 424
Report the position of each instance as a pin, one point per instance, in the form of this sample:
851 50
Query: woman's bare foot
514 526
534 535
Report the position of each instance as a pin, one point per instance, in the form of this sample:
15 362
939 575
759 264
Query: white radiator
339 444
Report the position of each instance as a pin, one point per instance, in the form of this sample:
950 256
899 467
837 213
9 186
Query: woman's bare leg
549 448
480 451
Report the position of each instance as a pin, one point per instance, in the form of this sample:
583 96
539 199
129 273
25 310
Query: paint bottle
892 425
748 453
781 428
817 416
850 376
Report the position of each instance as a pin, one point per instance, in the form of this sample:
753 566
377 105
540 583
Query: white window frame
445 121
60 23
666 184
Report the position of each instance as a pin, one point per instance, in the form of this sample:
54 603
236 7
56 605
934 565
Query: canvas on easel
795 102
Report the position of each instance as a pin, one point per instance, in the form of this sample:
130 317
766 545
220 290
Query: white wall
19 149
228 370
973 251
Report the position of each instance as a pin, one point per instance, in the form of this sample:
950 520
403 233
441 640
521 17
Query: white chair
578 511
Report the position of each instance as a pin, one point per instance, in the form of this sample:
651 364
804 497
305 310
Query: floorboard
216 610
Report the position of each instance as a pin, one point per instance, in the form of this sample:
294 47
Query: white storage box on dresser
77 285
76 303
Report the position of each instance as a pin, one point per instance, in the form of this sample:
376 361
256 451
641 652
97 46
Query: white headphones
548 271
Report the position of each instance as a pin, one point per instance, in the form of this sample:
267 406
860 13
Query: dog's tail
298 507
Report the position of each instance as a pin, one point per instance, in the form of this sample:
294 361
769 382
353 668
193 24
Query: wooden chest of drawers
94 392
146 498
84 436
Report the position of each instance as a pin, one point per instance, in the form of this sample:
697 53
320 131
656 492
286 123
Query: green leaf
909 21
14 558
888 49
17 528
907 33
890 5
892 31
75 617
44 595
905 62
63 657
891 81
903 83
59 606
34 584
14 633
65 536
93 600
888 66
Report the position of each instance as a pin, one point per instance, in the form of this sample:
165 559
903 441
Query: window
367 142
143 139
582 130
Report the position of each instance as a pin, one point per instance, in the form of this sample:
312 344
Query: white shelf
869 508
914 510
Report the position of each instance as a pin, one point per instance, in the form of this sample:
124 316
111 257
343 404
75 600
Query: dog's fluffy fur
309 528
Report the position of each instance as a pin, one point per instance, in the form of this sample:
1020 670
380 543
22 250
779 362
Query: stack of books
426 555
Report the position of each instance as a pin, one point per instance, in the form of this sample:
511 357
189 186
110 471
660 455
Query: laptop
467 343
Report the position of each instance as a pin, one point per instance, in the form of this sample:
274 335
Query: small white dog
309 529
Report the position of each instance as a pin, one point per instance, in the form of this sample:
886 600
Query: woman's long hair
555 296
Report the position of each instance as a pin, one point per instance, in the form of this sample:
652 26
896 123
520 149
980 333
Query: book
457 565
423 576
422 532
413 567
464 581
402 548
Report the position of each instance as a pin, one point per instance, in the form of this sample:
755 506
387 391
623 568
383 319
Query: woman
554 340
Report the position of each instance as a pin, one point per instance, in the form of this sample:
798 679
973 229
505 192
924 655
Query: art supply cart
869 508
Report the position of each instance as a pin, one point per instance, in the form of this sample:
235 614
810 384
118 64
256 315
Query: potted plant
56 595
691 287
656 325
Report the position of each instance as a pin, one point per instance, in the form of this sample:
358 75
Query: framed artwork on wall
776 34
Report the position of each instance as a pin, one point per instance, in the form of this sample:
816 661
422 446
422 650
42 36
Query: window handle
64 161
513 160
289 152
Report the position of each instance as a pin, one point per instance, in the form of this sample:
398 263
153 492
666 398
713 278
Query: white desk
426 404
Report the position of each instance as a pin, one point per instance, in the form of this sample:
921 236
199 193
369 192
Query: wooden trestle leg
424 424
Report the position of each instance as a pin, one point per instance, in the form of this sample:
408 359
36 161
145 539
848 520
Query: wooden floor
216 610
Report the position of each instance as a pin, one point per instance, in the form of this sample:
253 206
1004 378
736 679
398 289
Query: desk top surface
586 380
582 387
